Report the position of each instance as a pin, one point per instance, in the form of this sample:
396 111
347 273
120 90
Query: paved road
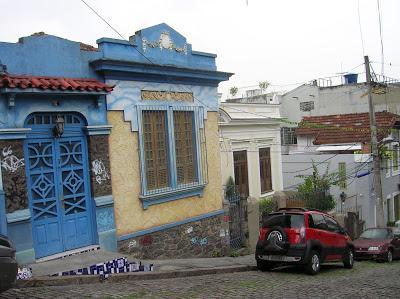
366 280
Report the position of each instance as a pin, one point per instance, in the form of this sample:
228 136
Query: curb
89 279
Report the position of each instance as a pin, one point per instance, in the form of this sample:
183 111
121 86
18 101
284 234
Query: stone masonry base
204 238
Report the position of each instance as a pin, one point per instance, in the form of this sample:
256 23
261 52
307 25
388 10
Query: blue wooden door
43 196
59 191
74 192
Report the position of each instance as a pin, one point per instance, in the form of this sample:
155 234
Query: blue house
55 182
115 146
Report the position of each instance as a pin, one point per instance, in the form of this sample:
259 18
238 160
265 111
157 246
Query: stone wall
100 165
13 173
202 238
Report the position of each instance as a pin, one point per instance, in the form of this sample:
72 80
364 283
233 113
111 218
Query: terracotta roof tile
346 128
54 83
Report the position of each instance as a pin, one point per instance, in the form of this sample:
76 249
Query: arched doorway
58 183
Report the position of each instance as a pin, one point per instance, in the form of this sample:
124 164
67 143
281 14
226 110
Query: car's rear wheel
348 260
264 265
314 263
389 256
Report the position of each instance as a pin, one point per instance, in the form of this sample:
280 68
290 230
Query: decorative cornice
135 71
164 42
14 133
98 130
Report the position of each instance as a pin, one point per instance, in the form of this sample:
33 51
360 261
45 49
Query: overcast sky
282 41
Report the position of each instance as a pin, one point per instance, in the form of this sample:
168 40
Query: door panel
44 205
58 187
74 193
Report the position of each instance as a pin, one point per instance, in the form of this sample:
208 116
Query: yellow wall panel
125 172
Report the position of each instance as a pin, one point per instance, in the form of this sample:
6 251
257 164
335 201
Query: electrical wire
380 34
359 23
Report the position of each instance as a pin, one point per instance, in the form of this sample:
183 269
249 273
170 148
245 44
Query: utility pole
377 185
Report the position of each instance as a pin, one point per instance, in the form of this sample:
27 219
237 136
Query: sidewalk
162 268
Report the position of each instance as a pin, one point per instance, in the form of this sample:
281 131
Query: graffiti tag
199 241
100 171
11 162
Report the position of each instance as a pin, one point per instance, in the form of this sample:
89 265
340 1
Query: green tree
233 91
315 189
230 187
263 85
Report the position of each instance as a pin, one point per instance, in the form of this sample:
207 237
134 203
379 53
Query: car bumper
8 272
286 253
369 255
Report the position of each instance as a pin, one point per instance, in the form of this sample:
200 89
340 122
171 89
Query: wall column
100 177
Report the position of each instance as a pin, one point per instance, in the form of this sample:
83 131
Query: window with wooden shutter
265 170
241 173
184 147
155 149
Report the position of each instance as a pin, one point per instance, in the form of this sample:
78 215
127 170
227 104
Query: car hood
369 242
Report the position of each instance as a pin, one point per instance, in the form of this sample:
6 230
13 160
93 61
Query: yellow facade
125 172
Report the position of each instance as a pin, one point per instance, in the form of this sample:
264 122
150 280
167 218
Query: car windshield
375 233
284 220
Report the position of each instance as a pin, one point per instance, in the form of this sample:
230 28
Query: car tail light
302 235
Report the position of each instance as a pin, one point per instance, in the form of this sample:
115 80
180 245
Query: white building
250 146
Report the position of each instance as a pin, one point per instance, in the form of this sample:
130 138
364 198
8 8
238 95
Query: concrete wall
125 171
359 190
340 99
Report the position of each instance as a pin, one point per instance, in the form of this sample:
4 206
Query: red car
382 244
302 237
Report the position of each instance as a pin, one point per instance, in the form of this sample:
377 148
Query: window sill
154 199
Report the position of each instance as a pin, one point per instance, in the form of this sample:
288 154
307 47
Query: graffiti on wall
100 171
199 241
9 161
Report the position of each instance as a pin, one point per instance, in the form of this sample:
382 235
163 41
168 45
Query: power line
380 34
359 23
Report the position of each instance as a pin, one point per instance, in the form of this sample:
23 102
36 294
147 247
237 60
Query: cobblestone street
366 280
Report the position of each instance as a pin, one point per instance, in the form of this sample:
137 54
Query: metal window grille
184 147
288 136
156 149
50 119
307 106
265 169
174 153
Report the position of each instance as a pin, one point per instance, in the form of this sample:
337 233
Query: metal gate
58 185
236 218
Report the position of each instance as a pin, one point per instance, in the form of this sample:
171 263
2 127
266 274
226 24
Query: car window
332 225
375 233
318 221
284 220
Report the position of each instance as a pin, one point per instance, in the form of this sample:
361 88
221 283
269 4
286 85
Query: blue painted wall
180 54
47 55
14 117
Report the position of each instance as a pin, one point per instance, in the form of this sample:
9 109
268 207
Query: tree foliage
233 90
230 187
315 189
263 85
